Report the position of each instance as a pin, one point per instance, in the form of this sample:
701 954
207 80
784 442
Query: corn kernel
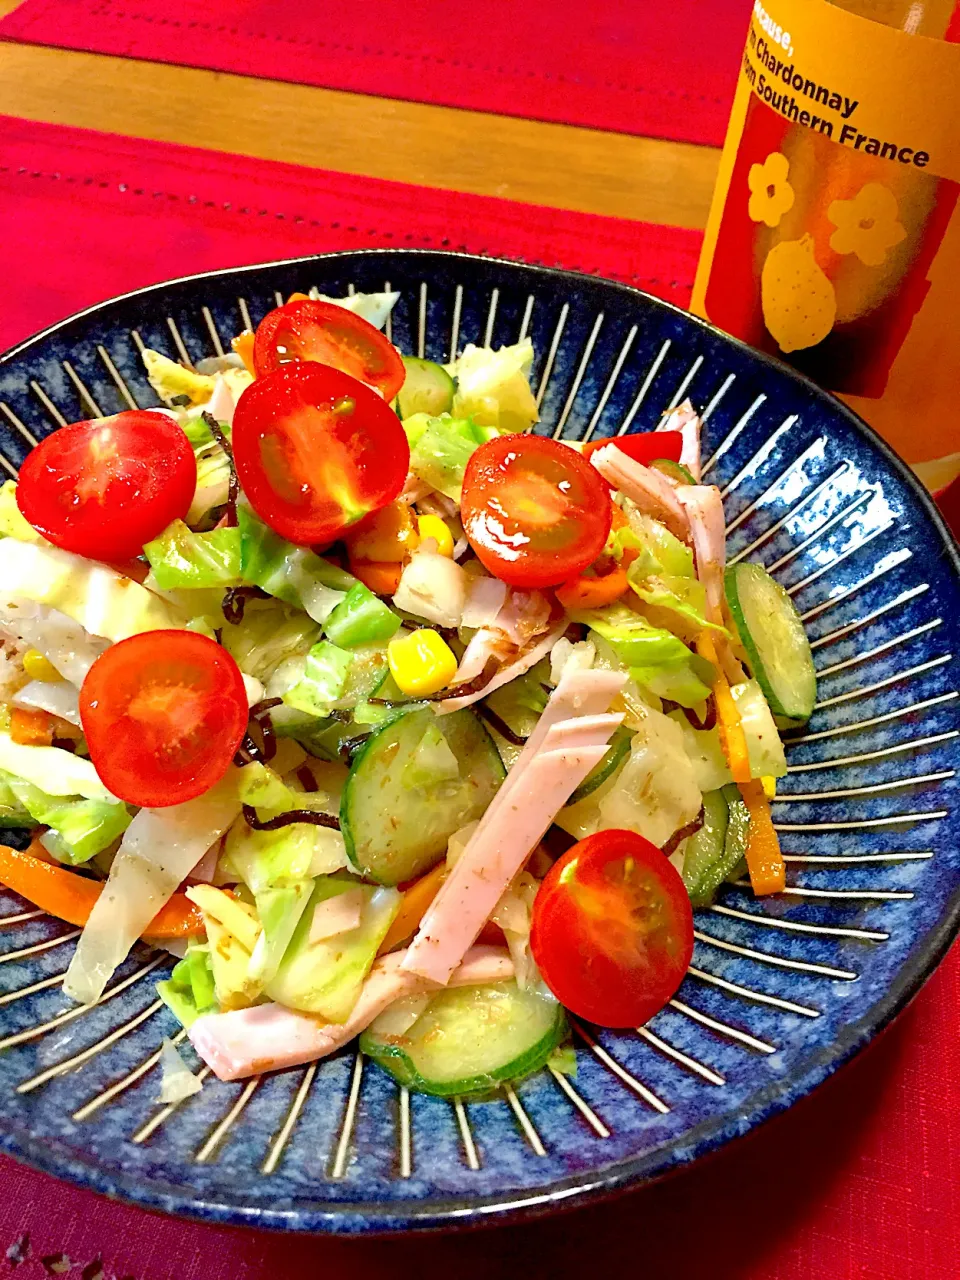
769 784
38 668
421 662
434 527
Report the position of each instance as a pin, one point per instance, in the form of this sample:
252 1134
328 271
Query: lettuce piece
440 449
662 574
103 601
325 977
493 387
79 828
52 770
12 523
293 574
432 761
182 558
268 635
323 681
189 991
656 659
280 909
12 812
685 598
361 619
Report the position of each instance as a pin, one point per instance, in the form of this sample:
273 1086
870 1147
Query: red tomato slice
104 488
316 451
332 335
646 447
534 512
163 713
612 929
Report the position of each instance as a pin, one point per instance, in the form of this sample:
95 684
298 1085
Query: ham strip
685 420
518 667
570 739
270 1037
652 492
704 509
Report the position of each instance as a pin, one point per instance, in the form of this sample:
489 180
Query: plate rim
440 1213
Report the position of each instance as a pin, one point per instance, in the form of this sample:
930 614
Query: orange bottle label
834 237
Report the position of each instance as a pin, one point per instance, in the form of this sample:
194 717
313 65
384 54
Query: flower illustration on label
798 300
771 195
867 225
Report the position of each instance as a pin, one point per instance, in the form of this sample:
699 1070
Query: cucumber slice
611 762
394 832
470 1039
427 388
774 639
715 851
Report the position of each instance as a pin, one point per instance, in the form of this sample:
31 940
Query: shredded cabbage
79 828
53 770
12 522
493 387
290 573
177 1081
440 449
656 658
322 682
433 587
267 636
181 558
159 848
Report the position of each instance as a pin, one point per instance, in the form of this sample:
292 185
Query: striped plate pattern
781 991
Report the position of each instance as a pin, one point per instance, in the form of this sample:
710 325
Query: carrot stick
32 728
764 859
732 738
593 593
382 577
71 897
243 346
416 898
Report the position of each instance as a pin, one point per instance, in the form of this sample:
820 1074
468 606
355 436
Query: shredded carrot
593 592
732 738
764 859
381 577
416 899
71 897
243 346
32 728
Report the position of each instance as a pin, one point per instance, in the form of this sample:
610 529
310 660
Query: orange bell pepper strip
382 577
71 897
768 871
732 738
32 728
388 534
413 907
243 346
588 592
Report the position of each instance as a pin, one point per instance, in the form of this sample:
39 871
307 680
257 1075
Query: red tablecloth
664 70
859 1182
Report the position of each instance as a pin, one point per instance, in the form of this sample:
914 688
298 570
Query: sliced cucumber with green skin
675 470
618 751
715 851
469 1040
394 832
427 388
775 642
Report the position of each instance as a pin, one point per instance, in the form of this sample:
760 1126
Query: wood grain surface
548 164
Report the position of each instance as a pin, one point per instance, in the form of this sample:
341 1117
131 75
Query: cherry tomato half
104 488
163 713
316 451
534 512
332 335
612 929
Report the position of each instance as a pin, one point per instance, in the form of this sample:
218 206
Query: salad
384 715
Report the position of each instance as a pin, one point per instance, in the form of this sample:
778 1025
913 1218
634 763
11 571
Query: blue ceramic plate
781 990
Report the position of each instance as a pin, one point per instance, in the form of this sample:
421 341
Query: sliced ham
569 740
652 492
518 667
704 509
685 420
271 1037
